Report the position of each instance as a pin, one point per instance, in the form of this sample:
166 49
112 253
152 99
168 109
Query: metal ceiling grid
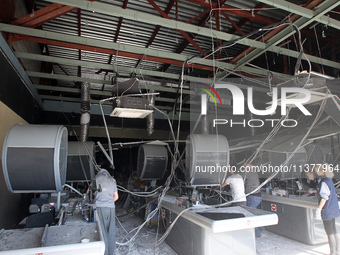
153 44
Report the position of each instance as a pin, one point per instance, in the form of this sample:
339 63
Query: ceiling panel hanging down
166 41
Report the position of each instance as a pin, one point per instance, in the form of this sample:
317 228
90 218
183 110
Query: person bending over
235 181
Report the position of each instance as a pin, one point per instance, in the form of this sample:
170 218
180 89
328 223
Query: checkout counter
296 218
226 230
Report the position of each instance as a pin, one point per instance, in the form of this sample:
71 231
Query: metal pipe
72 189
58 201
204 118
150 121
105 153
85 109
205 125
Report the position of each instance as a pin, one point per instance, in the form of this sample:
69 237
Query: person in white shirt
235 181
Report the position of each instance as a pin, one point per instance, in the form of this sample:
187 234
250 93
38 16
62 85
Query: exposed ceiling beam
143 86
43 15
120 22
234 11
56 105
273 38
218 28
93 92
158 28
118 29
304 12
72 90
282 32
12 59
128 50
167 11
124 132
152 19
243 21
236 27
97 81
137 71
142 72
182 47
109 94
74 107
94 102
155 20
67 99
184 34
96 45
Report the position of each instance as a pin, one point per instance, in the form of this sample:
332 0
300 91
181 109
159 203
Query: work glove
318 214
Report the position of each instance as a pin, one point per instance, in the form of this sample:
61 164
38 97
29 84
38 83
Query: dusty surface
21 238
74 231
268 244
272 244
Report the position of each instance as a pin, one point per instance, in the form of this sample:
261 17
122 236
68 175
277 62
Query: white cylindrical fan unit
152 161
207 159
34 158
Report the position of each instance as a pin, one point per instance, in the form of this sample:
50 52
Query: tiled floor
272 244
268 244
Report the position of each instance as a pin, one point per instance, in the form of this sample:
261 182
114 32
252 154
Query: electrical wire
104 120
321 110
139 193
75 190
161 196
175 162
270 136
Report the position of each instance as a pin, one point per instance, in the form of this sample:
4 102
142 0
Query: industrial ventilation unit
207 159
34 158
79 162
152 161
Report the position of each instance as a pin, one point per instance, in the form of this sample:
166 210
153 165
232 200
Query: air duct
34 158
126 87
205 125
85 109
204 118
150 121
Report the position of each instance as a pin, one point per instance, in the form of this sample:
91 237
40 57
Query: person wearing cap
105 199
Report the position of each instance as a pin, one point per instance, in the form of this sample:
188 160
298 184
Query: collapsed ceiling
166 44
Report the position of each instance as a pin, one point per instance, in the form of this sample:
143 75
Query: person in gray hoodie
105 199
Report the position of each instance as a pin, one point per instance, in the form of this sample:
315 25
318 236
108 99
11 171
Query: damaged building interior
174 98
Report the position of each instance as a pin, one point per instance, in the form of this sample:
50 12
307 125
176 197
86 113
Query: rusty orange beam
235 11
186 36
218 41
233 23
43 15
108 51
293 18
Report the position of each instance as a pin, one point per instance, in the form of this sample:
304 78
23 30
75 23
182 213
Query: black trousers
333 236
